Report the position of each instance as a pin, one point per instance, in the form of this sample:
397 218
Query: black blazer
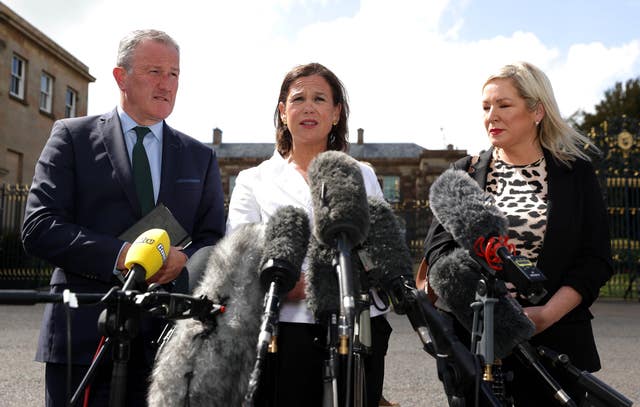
576 251
83 196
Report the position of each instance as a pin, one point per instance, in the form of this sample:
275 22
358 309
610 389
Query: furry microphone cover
321 286
202 367
286 240
386 246
339 198
454 278
465 211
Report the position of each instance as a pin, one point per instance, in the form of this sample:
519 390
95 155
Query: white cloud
409 78
589 70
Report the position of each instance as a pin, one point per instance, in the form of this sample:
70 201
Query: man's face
148 90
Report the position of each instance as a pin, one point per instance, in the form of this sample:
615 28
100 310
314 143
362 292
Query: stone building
40 82
405 170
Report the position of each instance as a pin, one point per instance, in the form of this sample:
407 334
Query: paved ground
411 377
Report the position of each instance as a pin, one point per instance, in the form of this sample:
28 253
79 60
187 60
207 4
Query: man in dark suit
84 194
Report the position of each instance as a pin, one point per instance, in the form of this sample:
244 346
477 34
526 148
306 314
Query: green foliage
622 99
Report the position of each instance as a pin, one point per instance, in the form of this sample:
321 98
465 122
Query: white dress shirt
261 190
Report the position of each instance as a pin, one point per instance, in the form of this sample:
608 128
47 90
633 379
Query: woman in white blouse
310 118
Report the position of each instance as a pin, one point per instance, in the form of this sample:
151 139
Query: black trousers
100 388
294 376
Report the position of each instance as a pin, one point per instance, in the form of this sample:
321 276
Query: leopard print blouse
520 191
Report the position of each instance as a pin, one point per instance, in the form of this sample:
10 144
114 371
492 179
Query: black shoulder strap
464 163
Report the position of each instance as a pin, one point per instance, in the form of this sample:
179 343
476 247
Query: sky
413 69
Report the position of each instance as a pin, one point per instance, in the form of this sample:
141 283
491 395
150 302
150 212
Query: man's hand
123 255
171 268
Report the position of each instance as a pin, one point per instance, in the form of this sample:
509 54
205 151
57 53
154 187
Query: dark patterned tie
142 172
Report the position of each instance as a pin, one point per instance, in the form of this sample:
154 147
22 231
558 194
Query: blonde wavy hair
554 133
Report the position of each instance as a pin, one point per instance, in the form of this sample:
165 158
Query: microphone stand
457 366
120 320
267 329
482 338
361 347
329 376
596 392
347 305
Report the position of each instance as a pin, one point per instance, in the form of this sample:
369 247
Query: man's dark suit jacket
83 196
576 251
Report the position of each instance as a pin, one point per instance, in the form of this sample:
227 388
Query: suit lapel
113 140
171 149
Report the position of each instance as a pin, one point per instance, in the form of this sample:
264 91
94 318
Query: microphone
321 288
286 241
468 213
341 214
145 257
384 254
341 220
339 199
387 261
455 277
210 363
388 265
196 265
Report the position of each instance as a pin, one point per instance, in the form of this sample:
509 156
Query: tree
622 99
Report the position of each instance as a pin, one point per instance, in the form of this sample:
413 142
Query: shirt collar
128 124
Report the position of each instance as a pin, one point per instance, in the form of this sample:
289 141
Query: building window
70 103
46 89
18 68
391 187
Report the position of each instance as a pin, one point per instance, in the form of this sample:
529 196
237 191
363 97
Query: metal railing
19 270
623 202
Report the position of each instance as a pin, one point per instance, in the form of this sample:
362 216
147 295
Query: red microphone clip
488 249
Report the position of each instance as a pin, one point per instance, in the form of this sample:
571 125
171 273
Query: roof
243 150
360 151
385 150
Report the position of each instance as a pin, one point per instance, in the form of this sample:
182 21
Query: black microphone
596 392
286 241
384 255
196 266
455 277
321 288
341 214
339 199
468 213
341 220
387 261
209 364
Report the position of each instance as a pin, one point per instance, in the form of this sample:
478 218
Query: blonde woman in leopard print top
542 178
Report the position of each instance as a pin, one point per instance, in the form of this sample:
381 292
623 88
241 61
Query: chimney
360 136
217 136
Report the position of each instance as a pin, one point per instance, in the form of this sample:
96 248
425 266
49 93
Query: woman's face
508 121
309 111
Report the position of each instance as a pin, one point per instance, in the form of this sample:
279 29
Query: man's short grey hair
129 43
